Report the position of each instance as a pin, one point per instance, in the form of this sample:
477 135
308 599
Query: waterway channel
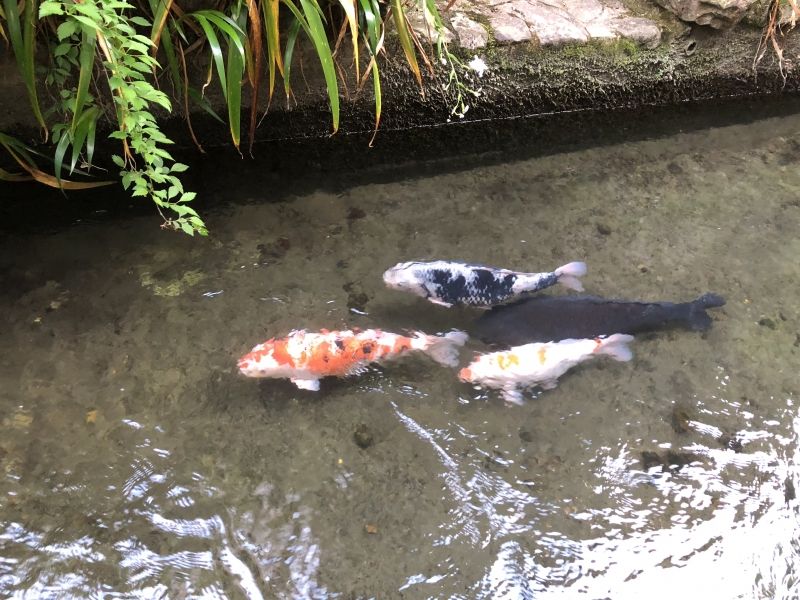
136 462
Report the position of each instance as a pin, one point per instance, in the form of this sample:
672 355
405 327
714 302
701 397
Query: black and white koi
455 283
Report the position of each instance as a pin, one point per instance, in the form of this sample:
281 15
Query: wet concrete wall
584 56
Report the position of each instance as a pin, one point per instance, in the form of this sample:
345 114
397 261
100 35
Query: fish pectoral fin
356 370
307 384
549 384
440 302
512 395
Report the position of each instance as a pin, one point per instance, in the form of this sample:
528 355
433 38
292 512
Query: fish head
404 277
261 362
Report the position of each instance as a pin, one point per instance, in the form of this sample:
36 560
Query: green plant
146 167
98 50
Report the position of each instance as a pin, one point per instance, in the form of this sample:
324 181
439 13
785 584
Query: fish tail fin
569 274
616 346
698 318
443 348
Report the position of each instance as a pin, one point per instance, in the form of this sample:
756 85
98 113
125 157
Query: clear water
135 461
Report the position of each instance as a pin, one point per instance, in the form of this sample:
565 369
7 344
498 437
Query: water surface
135 461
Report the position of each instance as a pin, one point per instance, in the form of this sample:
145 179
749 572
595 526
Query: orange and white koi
539 364
305 357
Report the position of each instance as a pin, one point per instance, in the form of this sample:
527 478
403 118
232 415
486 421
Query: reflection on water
137 463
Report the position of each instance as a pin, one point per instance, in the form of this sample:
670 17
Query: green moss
616 48
170 288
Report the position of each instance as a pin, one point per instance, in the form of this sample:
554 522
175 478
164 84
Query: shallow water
135 461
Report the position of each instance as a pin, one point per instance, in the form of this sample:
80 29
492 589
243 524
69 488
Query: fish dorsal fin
311 385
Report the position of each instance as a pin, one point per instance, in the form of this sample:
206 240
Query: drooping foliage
105 58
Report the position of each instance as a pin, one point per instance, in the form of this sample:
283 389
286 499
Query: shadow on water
135 462
283 169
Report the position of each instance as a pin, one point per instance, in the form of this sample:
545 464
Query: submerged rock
668 460
363 437
356 298
170 287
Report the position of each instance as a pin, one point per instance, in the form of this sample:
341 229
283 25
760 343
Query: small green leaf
66 29
62 49
49 8
186 227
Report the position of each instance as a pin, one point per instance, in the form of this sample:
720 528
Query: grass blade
372 19
291 39
23 42
86 61
4 36
61 150
227 26
405 39
81 134
234 94
216 50
161 9
257 50
172 60
13 177
376 84
270 10
349 7
204 104
316 31
18 153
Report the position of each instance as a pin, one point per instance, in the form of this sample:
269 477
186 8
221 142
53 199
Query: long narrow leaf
376 84
216 51
204 104
49 180
172 60
160 10
81 134
61 150
86 61
405 39
13 177
349 7
186 112
316 31
23 42
226 25
270 10
234 95
372 18
257 50
3 31
291 39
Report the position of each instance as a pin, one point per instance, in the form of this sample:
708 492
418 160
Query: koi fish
306 357
546 318
539 364
452 283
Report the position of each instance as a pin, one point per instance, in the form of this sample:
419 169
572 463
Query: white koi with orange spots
520 367
306 357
